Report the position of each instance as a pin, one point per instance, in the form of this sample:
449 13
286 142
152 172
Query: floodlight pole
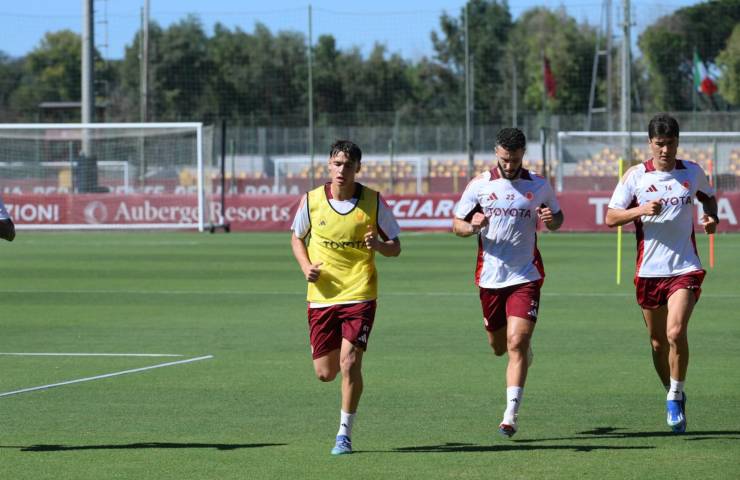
468 100
144 62
311 147
514 93
86 164
626 104
88 92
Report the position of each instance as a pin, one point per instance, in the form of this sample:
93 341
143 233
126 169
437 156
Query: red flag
550 84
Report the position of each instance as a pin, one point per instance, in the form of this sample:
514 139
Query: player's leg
521 307
357 324
497 340
493 303
680 306
326 367
519 335
655 321
325 335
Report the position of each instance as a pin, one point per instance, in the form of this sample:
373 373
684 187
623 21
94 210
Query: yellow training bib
338 240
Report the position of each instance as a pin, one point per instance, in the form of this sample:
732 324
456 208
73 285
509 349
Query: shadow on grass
147 445
507 447
602 433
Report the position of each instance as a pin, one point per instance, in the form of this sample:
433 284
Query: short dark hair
350 149
511 139
663 125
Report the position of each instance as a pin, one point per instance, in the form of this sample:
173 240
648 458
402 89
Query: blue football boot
343 446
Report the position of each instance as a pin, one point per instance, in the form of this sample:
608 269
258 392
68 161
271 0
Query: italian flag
702 81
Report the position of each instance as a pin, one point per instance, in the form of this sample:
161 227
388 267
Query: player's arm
310 270
552 221
468 216
616 217
7 229
463 228
300 230
710 219
387 248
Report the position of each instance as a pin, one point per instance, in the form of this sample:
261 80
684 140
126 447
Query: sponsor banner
584 211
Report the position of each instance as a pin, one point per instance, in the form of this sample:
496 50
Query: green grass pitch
434 392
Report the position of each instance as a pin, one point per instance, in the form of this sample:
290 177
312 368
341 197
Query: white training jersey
386 221
507 246
666 246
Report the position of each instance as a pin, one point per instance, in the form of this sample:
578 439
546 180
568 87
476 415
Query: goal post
135 175
590 160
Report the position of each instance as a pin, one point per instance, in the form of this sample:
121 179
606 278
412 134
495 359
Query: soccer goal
591 160
108 175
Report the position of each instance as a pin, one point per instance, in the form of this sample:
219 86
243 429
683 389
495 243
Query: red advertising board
584 211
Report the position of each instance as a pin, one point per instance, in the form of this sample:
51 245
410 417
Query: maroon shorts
328 325
654 292
498 304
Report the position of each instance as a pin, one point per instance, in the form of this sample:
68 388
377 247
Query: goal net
401 175
590 160
107 175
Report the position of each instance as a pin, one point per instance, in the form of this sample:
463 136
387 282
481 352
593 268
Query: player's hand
545 214
709 224
312 272
478 222
371 239
651 208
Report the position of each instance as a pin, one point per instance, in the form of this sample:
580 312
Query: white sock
345 423
676 390
513 401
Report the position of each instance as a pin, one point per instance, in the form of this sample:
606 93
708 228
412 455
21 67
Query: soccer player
657 196
336 232
7 229
501 207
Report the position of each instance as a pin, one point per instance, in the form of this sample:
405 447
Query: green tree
728 61
329 92
51 72
10 79
668 48
569 47
489 26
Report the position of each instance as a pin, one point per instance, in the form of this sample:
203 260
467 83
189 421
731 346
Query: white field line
384 294
49 354
106 375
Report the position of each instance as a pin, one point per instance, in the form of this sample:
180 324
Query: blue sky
404 26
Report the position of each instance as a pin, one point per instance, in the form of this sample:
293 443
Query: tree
728 61
51 72
10 79
489 26
329 94
668 48
568 46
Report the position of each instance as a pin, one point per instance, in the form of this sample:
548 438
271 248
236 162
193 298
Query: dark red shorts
328 325
498 304
654 292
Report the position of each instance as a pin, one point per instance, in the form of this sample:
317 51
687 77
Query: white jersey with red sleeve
507 246
666 246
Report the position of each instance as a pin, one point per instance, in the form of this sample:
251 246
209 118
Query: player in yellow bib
337 230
